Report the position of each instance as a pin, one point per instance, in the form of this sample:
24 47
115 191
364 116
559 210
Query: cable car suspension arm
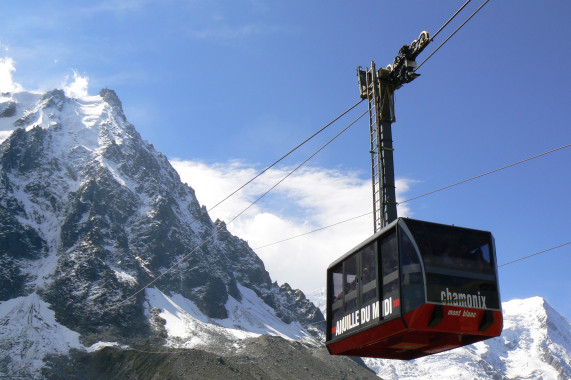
378 88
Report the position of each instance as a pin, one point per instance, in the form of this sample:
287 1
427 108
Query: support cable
450 19
487 173
219 228
248 182
277 161
310 232
534 254
449 37
420 196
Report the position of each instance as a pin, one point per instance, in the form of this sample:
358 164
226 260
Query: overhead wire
450 19
453 33
219 228
277 161
305 161
273 164
487 173
534 254
422 195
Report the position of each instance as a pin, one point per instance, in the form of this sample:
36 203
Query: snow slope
187 327
29 331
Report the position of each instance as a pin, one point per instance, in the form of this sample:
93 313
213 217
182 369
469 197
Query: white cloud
310 199
7 83
78 88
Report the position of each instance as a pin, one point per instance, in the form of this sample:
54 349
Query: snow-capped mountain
535 344
89 215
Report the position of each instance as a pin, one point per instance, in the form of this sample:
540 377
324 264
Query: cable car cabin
413 289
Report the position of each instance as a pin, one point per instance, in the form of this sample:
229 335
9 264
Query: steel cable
453 33
450 19
218 228
420 196
277 161
534 254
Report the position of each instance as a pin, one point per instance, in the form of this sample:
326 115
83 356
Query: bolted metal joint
401 71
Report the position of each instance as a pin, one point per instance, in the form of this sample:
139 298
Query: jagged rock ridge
90 213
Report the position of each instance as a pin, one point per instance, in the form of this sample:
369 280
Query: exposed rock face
90 214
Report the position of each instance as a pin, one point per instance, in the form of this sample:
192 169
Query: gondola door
354 292
390 305
364 292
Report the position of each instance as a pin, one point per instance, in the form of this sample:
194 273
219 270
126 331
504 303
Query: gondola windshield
459 265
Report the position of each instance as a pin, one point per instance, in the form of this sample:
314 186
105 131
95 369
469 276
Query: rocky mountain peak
111 98
90 214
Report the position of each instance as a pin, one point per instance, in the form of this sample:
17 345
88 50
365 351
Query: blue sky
224 88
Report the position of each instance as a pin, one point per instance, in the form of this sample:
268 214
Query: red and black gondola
413 289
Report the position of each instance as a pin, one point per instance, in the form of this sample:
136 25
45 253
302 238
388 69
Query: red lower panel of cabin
429 329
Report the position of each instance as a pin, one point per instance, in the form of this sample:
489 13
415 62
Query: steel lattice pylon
380 98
